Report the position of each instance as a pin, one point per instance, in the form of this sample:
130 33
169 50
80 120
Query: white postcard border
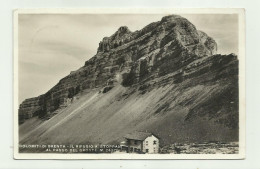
241 57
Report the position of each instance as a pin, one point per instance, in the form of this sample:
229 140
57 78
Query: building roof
137 135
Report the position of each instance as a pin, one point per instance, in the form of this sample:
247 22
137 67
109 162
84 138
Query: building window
154 142
135 142
147 150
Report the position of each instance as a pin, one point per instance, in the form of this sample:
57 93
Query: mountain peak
121 36
123 30
171 17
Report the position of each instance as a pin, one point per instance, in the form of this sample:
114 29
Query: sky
50 46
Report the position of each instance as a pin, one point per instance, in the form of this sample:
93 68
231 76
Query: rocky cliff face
29 108
156 50
168 52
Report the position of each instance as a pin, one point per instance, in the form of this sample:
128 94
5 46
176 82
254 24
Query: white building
141 142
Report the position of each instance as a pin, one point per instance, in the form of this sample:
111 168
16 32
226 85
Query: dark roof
137 135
